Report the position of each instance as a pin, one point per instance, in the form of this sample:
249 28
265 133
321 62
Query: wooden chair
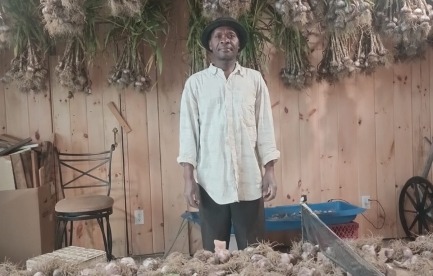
94 202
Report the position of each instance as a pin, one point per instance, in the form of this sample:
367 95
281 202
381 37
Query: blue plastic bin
288 217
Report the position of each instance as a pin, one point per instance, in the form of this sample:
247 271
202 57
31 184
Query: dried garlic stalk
64 17
407 23
72 69
296 13
337 62
213 9
130 8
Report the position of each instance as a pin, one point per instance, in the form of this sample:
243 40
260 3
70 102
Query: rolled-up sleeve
266 146
189 126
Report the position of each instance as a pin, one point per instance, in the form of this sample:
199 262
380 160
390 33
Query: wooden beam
119 117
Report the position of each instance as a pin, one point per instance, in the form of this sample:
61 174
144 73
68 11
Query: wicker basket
346 231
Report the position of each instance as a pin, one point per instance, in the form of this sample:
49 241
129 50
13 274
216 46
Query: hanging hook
115 131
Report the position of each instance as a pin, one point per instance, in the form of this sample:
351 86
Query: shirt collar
238 69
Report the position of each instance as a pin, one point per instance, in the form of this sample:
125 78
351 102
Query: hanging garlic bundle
81 44
213 9
72 68
132 34
129 8
5 34
63 17
27 68
196 23
343 15
407 22
298 72
336 62
370 52
29 43
128 69
295 13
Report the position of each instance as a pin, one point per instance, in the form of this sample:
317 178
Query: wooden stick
35 168
119 117
15 146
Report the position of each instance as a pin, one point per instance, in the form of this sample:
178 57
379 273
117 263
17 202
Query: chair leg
109 238
60 233
106 237
71 233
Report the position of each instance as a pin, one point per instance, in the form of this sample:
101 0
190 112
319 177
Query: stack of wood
24 164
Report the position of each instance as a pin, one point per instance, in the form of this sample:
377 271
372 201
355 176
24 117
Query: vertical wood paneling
365 149
308 126
40 125
83 230
128 188
60 115
402 130
17 111
155 171
290 146
101 127
138 170
118 218
328 139
347 141
170 86
420 114
276 89
431 101
385 150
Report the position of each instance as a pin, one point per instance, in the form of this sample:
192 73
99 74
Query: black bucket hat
224 21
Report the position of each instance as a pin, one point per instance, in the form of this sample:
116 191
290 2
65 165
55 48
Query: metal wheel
416 206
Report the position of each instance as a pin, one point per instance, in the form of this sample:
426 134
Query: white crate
71 255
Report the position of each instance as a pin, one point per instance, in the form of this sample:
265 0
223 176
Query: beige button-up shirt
226 132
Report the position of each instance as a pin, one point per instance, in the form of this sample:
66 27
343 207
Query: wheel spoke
410 211
424 222
416 193
411 199
424 195
413 222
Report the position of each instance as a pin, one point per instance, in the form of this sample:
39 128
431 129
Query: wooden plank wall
362 136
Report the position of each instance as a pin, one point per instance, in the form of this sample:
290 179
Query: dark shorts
216 221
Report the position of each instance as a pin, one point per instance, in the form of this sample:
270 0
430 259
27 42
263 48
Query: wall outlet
139 216
365 202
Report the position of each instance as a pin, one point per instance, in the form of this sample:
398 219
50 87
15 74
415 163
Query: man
226 135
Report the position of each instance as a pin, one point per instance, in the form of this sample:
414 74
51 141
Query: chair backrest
85 167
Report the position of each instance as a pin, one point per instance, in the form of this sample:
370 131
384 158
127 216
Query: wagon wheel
416 206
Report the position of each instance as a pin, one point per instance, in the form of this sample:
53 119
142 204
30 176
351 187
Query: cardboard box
27 223
7 181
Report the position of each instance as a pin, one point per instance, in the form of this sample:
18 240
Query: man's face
224 43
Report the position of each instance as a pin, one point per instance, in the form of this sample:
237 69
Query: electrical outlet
139 216
365 202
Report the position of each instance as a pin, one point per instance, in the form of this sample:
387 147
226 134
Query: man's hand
191 192
269 186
